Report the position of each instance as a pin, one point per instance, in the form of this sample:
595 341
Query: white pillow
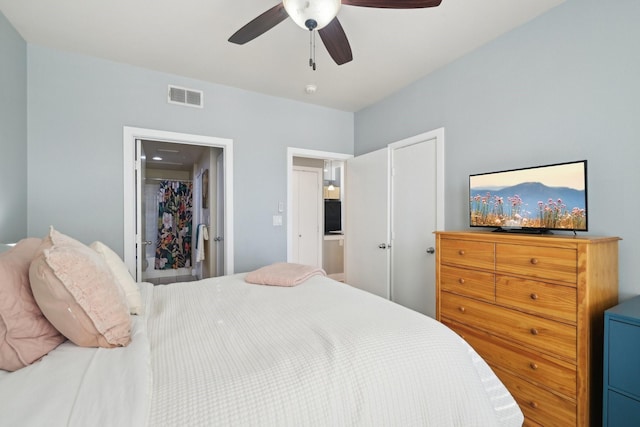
121 273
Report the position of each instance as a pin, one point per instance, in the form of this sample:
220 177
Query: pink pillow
76 290
283 274
25 334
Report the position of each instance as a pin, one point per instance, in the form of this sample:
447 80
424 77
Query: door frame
132 239
311 154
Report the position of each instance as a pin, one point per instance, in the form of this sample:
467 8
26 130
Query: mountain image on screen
529 205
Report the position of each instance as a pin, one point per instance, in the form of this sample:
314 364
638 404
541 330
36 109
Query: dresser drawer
537 404
538 333
467 253
473 283
537 262
545 299
552 374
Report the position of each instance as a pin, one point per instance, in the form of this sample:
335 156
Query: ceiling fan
320 15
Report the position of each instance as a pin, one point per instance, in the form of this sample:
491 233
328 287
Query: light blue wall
77 108
13 133
563 87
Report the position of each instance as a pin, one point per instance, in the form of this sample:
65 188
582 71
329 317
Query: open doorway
195 170
313 240
180 209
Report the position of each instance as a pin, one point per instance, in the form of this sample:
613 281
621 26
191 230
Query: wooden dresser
532 306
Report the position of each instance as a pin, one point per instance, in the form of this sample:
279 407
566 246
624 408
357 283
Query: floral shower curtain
175 211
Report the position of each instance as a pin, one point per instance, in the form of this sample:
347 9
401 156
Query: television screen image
540 198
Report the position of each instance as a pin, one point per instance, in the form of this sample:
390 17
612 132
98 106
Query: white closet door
367 222
395 199
307 216
413 221
141 209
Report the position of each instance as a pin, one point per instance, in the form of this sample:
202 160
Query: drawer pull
534 261
534 296
533 366
534 331
461 252
462 309
534 405
461 281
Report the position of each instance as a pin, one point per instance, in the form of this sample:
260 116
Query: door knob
217 239
382 246
431 250
147 242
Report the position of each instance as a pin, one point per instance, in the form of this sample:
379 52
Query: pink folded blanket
283 274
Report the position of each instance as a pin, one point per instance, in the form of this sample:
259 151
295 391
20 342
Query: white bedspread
222 352
80 387
229 353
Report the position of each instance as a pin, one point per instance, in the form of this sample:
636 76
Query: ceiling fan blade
260 25
335 40
393 4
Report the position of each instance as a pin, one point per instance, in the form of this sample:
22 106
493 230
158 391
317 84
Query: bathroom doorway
179 212
189 165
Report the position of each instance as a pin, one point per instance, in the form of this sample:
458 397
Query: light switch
277 220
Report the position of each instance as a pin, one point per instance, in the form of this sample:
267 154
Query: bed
223 351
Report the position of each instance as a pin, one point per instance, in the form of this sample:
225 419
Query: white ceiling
391 48
171 156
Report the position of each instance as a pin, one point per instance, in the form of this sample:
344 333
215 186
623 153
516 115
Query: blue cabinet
621 403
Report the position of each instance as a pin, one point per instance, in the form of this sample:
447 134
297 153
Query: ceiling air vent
184 96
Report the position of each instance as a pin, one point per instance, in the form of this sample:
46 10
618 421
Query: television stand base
522 230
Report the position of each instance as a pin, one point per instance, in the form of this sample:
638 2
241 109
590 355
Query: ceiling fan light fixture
320 11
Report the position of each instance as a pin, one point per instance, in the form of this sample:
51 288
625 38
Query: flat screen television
535 199
332 216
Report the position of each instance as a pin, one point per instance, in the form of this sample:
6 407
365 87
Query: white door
211 188
219 235
413 221
366 242
140 227
197 219
307 216
395 199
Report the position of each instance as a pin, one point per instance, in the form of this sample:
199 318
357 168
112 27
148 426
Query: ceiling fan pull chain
312 49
